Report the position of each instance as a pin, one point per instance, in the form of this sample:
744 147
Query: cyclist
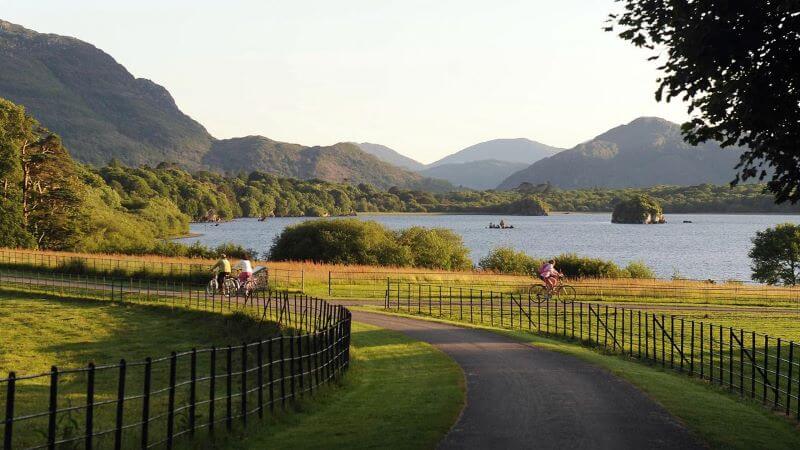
223 270
245 268
549 274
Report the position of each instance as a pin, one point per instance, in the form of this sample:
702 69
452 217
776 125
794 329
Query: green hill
646 152
391 156
102 112
343 162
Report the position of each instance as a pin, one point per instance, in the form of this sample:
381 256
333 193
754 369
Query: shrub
638 269
574 266
435 248
506 260
352 241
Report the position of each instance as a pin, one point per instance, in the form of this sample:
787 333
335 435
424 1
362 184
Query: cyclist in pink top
549 274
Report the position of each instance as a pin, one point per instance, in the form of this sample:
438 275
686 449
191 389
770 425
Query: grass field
399 394
365 282
721 420
37 332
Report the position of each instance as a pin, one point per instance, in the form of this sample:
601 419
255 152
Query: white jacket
245 266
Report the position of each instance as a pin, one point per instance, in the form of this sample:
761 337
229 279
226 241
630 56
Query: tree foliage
352 241
776 255
735 63
639 209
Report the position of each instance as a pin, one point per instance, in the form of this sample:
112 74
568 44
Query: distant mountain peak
515 150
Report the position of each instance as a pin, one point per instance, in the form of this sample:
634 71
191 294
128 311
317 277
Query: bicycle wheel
211 287
538 293
566 294
231 287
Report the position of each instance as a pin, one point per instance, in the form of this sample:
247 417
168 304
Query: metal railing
748 363
156 401
620 290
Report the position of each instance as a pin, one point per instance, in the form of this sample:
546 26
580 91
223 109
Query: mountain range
648 151
102 112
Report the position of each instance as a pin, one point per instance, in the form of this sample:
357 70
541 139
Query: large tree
39 186
736 64
776 255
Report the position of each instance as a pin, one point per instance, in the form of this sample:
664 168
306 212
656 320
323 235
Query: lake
713 246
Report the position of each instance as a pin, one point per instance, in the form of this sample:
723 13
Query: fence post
789 381
89 434
777 371
148 368
244 383
229 386
51 425
260 378
300 361
120 405
212 388
192 391
271 378
329 283
173 360
282 373
9 425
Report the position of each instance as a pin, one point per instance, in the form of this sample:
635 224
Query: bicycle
230 285
560 292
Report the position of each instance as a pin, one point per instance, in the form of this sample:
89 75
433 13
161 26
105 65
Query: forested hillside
49 201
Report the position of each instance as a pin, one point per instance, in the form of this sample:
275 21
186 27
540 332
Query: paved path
520 397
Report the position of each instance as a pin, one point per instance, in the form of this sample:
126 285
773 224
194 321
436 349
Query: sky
426 78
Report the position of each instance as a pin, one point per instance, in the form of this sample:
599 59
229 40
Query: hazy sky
426 78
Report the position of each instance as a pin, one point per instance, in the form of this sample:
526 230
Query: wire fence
748 363
158 401
138 267
590 289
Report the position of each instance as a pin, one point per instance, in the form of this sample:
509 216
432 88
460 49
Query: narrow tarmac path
521 397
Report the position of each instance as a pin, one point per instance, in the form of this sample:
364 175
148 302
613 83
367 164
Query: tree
776 255
40 187
736 64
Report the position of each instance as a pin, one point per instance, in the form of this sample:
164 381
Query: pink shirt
546 270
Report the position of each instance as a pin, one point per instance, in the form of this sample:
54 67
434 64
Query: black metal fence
156 401
747 363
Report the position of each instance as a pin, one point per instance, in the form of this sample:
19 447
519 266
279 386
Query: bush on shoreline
505 260
352 241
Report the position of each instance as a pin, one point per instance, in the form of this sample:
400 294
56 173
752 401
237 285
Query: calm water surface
712 246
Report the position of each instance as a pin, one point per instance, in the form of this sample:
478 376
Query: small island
528 206
640 210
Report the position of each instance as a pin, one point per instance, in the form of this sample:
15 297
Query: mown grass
721 420
398 394
37 332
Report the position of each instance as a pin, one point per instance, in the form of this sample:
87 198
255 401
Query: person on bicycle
223 270
549 274
245 269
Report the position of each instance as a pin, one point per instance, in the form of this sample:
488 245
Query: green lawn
718 418
37 332
399 394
